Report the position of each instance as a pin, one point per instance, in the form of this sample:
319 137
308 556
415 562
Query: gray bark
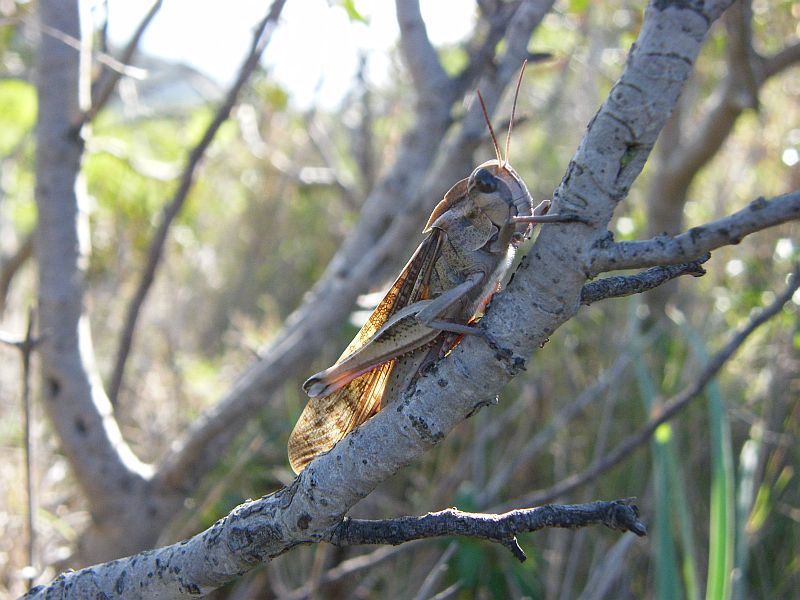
112 478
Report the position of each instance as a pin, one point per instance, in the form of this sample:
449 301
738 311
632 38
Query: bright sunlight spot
784 249
663 433
790 157
625 225
734 267
722 303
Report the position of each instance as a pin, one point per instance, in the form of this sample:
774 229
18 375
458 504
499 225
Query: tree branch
105 84
671 407
617 287
11 267
759 214
621 515
747 73
421 58
261 37
245 538
73 398
784 59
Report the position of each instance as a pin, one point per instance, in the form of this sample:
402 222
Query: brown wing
326 420
411 285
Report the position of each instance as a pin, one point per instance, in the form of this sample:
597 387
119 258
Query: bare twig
26 350
245 538
11 267
619 286
621 515
349 567
759 214
26 347
261 37
670 407
73 42
435 573
105 84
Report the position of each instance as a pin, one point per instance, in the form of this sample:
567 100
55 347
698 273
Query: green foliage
352 12
17 113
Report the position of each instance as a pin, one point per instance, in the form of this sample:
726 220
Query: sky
315 45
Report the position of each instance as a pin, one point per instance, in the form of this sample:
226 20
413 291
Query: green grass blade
745 499
666 572
722 513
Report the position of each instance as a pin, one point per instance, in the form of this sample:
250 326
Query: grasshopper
471 238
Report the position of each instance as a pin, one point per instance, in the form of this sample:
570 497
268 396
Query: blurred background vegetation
277 193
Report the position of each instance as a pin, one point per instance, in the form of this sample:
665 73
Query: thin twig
26 350
350 566
105 84
621 515
12 266
669 408
101 57
436 572
619 286
261 38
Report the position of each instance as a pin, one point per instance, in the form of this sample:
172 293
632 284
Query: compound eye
485 182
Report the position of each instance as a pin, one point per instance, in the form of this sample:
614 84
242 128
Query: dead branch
621 515
620 286
245 538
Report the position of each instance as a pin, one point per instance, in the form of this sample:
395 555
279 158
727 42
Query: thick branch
421 58
621 515
74 400
261 38
759 214
245 538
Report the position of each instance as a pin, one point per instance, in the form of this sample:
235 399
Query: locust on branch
472 236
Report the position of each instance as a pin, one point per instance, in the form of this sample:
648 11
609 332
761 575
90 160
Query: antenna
491 130
513 110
